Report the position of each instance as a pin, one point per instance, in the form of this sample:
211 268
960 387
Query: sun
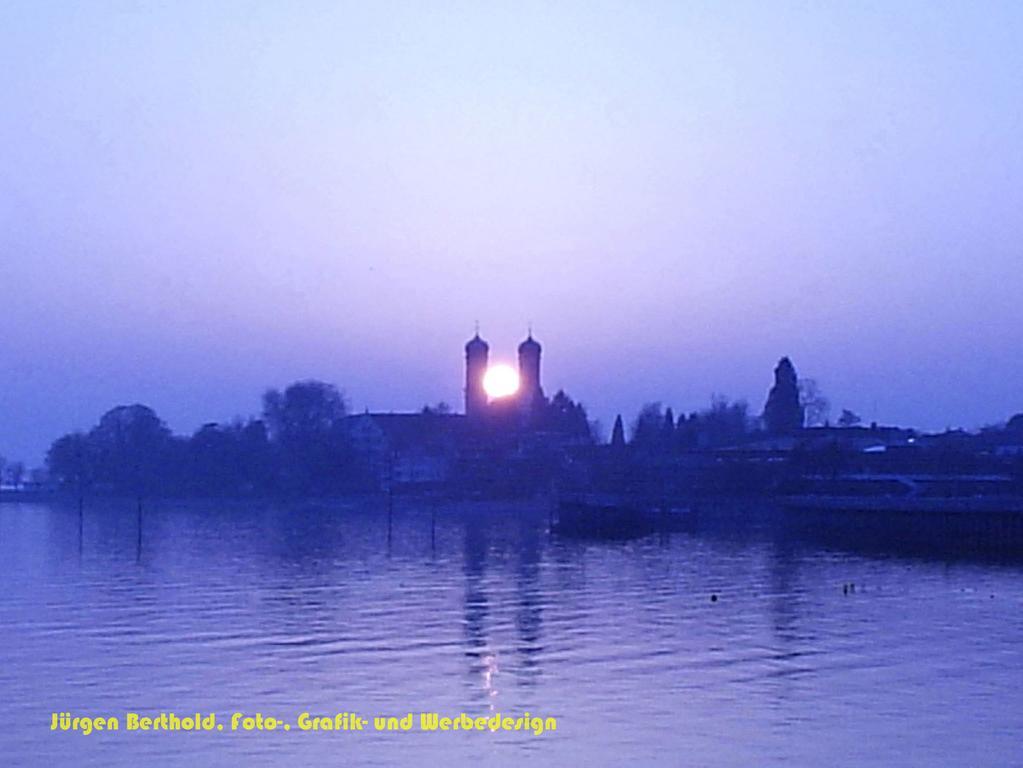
500 381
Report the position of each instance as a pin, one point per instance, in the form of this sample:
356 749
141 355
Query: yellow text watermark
305 722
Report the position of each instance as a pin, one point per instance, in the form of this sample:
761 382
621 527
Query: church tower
477 353
530 391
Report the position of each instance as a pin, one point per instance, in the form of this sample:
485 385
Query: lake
727 645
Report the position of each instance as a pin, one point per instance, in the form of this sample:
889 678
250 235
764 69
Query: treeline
563 416
792 403
299 444
656 429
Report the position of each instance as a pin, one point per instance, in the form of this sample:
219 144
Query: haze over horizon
200 201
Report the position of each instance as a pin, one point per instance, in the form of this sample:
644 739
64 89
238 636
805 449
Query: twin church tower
477 356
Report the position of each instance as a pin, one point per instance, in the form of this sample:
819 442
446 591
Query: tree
618 433
129 451
783 412
440 409
648 428
306 427
132 448
813 402
227 458
727 419
722 423
848 419
72 462
305 410
566 417
16 474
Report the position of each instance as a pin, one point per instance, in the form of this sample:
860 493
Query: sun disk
500 381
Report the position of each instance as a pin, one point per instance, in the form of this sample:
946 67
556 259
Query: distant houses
409 449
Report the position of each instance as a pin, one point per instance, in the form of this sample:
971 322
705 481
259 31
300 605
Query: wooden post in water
390 511
390 498
138 542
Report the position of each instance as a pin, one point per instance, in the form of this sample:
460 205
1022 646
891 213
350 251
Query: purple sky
200 200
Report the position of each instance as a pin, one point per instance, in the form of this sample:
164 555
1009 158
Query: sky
202 200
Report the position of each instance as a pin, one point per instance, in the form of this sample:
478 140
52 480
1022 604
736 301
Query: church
423 448
528 394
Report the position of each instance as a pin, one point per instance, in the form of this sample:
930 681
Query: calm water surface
280 611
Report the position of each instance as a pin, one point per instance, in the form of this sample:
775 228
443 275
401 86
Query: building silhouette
477 355
434 447
530 392
529 395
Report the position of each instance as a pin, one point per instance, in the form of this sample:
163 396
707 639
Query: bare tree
848 418
441 408
16 474
814 403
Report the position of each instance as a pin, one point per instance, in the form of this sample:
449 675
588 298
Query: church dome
476 343
529 345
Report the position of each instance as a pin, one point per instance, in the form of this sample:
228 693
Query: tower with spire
477 353
530 391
